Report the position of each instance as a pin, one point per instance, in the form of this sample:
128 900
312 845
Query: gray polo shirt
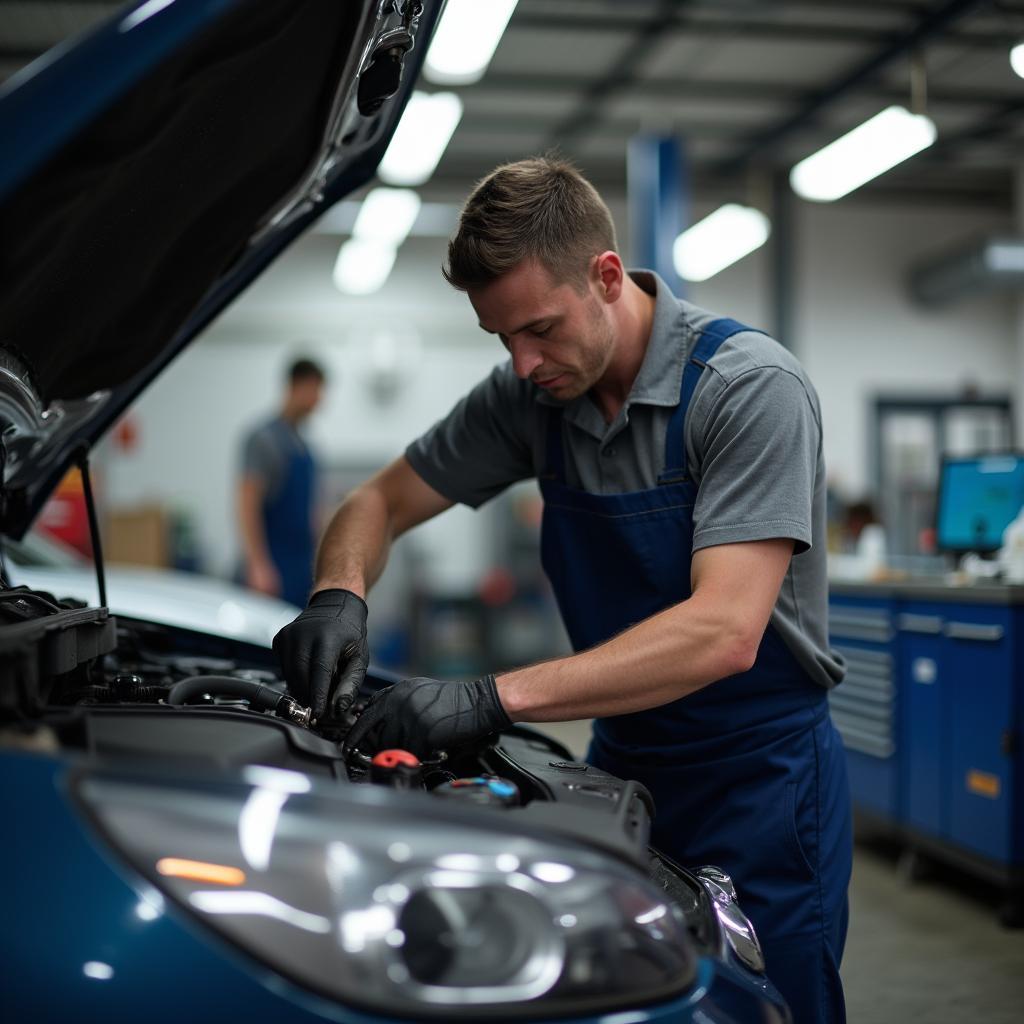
753 445
266 452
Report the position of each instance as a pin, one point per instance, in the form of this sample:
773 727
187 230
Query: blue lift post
783 259
657 174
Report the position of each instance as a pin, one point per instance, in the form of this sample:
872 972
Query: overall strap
554 457
710 340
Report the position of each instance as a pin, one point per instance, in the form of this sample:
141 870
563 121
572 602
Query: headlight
400 902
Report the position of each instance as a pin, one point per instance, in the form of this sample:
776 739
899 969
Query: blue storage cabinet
983 738
921 675
864 707
951 779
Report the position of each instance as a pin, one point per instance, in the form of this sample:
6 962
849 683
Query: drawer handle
865 621
930 624
974 631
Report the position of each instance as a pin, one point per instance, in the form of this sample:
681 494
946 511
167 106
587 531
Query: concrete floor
929 951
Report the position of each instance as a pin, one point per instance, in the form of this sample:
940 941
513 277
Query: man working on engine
680 461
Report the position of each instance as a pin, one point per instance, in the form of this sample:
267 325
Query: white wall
856 331
860 334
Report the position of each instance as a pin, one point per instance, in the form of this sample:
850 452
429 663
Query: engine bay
77 682
81 682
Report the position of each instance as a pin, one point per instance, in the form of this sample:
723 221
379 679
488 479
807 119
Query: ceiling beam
681 88
935 21
599 8
536 123
623 70
683 26
1002 120
991 190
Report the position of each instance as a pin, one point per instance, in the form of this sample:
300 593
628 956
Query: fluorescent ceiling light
718 241
1016 59
1005 257
421 137
363 266
881 142
387 215
466 39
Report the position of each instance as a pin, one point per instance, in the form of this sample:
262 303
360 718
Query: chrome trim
345 115
33 435
295 712
737 932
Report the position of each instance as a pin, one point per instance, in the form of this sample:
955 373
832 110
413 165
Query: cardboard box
137 536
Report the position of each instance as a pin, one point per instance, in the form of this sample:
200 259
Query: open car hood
152 169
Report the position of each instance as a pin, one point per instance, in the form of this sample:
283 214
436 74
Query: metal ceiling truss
762 142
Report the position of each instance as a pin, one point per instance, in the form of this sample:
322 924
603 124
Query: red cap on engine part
395 759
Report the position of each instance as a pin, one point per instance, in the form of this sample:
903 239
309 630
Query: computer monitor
978 498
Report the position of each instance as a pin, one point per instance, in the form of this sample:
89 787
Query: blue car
181 841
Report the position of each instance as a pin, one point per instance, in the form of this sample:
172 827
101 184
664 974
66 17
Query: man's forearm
661 659
354 548
711 635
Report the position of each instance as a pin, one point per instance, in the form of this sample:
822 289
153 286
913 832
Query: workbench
932 717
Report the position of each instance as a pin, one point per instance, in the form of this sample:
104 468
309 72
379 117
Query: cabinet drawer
862 704
978 652
868 624
866 663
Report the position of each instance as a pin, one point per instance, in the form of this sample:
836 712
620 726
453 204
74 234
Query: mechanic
276 493
680 461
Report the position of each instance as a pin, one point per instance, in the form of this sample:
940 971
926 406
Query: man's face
559 338
305 395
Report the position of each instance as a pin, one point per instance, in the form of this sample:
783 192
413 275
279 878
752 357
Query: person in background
276 493
857 517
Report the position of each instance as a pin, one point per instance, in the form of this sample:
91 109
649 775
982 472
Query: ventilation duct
983 265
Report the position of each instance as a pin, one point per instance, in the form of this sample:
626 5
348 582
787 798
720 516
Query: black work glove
328 637
424 715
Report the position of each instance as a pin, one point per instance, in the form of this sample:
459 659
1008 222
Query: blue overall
747 773
288 518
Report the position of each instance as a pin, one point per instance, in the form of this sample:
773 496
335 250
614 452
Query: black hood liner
109 248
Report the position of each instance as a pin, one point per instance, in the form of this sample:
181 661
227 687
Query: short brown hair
541 208
305 369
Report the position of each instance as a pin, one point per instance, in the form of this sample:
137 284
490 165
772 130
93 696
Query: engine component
396 768
260 697
488 790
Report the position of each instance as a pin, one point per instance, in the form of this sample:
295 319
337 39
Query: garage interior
903 299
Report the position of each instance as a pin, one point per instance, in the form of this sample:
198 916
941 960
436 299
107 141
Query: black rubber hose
259 696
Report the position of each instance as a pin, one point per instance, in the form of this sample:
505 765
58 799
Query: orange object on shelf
65 515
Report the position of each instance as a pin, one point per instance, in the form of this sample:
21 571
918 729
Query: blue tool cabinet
932 717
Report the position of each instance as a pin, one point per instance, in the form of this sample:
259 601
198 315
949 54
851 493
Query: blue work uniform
747 773
287 515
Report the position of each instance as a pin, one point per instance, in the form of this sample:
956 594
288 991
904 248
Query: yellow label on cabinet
983 783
